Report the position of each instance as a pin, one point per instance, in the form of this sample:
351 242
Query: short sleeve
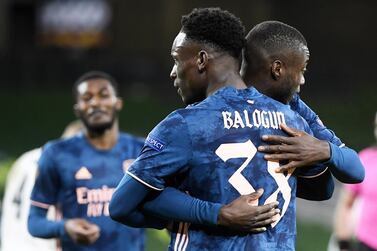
320 131
47 183
167 150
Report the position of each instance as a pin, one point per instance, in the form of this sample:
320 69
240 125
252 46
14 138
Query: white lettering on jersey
241 184
258 118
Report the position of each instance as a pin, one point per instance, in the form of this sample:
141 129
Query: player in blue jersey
276 54
344 163
78 175
209 148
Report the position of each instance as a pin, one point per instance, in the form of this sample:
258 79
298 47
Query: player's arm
50 229
44 194
303 149
133 193
316 187
143 189
79 230
165 152
342 218
148 208
238 215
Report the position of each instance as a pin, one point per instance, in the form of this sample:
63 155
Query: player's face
293 78
97 104
185 73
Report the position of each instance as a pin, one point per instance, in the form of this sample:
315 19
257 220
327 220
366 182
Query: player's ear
119 104
202 60
76 110
276 69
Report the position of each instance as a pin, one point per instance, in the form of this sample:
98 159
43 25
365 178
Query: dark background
36 79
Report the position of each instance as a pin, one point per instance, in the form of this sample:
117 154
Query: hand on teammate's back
81 231
300 148
244 215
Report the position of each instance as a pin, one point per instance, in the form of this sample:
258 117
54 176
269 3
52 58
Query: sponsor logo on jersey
96 199
83 174
155 143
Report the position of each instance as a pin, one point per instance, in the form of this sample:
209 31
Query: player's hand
243 215
81 231
300 149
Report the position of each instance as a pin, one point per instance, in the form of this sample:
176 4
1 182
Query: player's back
225 131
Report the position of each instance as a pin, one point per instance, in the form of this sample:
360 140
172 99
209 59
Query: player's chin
99 126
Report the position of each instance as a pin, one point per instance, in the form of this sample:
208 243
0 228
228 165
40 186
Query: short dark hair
274 36
216 27
95 75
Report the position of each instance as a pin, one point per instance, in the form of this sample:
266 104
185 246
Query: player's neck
225 73
105 140
267 86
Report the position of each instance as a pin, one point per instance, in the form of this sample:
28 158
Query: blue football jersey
80 180
209 150
320 131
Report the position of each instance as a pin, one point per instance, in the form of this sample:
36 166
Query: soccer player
366 192
344 162
16 202
209 149
79 174
277 54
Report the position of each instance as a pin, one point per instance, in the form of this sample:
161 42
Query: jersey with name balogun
209 150
80 181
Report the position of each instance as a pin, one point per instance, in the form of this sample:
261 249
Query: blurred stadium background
46 45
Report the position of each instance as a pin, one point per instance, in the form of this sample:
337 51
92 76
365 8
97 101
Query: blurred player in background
16 203
79 174
366 224
206 148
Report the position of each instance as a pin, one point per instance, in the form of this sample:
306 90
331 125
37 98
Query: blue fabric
320 131
80 180
50 229
179 206
344 163
199 148
135 192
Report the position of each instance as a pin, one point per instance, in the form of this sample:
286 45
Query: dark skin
96 106
242 216
199 71
279 76
301 149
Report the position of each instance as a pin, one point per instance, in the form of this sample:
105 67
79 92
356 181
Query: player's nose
173 72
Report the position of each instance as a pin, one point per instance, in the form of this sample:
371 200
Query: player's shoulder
62 144
31 155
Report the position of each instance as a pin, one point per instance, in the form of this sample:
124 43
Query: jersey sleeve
320 131
167 150
314 170
45 191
